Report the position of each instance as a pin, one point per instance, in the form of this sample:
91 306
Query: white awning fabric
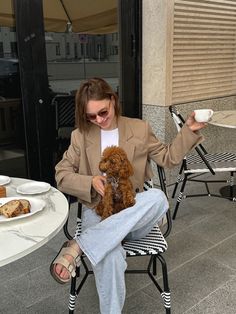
86 16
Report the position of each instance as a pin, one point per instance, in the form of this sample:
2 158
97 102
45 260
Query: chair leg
231 189
179 179
166 291
179 197
154 267
72 295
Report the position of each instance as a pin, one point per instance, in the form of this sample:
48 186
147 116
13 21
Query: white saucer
4 180
34 187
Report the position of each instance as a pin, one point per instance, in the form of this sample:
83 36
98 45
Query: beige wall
157 27
155 18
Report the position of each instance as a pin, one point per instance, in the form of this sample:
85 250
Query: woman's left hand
193 124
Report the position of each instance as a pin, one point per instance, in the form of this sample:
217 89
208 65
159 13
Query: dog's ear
126 170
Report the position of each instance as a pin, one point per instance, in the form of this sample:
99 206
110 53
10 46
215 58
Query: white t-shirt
109 138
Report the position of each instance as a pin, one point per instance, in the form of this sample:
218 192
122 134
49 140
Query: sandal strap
68 250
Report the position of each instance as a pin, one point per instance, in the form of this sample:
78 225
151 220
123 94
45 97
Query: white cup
203 115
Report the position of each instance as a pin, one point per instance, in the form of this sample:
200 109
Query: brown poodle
118 193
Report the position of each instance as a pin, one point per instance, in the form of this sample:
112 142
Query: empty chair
153 245
64 122
202 163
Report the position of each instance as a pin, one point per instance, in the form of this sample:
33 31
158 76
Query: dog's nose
137 190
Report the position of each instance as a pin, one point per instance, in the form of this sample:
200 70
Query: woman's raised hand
193 124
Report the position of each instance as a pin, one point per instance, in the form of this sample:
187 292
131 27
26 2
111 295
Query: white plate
35 187
36 206
4 180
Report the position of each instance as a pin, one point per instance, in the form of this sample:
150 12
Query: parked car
9 78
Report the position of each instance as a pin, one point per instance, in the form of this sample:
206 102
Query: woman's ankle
75 246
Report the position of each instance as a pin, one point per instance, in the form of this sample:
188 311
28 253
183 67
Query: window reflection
74 57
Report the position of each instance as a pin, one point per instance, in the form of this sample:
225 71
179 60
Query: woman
99 124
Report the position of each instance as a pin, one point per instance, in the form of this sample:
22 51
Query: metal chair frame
151 269
186 173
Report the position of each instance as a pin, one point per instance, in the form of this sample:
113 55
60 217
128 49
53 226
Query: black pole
38 118
130 42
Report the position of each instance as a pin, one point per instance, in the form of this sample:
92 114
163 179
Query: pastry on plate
11 209
15 208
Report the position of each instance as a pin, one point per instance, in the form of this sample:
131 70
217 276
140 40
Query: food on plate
2 191
15 208
25 206
11 209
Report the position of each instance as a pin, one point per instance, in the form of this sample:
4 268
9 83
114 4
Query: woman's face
102 113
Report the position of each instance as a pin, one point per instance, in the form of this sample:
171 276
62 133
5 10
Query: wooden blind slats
204 49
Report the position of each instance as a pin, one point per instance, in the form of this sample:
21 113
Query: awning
86 16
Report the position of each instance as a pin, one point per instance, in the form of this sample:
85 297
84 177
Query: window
14 52
67 49
115 50
1 49
75 50
58 50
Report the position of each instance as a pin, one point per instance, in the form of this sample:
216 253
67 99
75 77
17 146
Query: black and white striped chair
153 245
202 163
64 110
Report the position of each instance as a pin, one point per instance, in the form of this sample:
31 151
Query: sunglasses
103 114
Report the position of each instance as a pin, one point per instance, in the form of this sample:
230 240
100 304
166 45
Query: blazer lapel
125 134
93 150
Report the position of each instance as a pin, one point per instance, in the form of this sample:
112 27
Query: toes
58 269
61 271
64 273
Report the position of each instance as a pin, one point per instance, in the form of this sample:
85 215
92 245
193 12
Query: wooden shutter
204 50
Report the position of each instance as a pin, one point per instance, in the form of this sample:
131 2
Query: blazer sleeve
170 155
68 178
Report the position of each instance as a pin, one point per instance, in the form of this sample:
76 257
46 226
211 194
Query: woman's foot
64 265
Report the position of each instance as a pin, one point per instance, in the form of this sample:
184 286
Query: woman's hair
92 89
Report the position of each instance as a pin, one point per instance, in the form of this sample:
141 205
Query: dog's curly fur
118 193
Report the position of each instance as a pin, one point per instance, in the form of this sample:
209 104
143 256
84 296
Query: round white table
21 237
225 118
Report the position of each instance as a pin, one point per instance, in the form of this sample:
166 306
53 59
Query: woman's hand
98 183
193 124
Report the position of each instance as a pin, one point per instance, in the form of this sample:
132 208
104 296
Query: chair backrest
179 122
64 110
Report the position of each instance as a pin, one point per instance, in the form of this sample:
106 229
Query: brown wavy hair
92 89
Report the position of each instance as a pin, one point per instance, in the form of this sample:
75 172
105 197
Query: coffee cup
203 115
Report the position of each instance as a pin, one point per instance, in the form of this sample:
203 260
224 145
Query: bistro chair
64 106
153 245
201 163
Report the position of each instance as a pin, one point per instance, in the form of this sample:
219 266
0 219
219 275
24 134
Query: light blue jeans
101 243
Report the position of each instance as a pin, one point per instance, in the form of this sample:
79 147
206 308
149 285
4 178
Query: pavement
201 260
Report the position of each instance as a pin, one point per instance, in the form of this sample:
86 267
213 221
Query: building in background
66 46
71 57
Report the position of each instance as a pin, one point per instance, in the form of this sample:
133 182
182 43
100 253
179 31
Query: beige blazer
80 162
